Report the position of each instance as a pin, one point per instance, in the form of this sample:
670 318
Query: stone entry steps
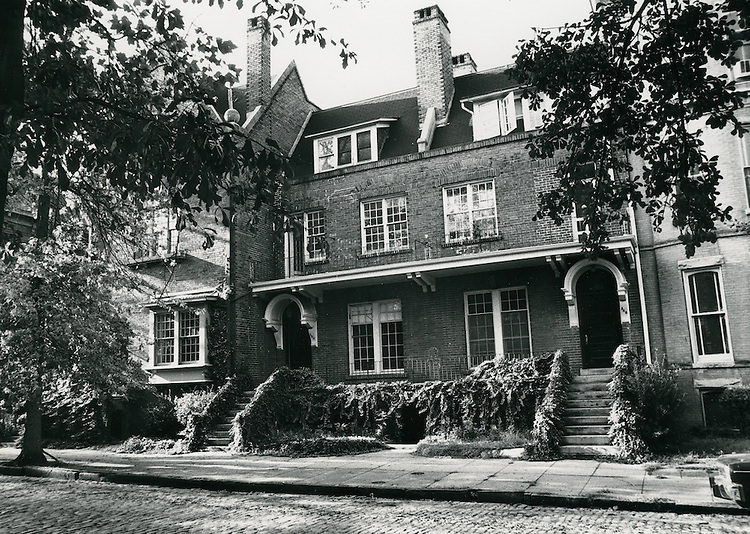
219 436
586 416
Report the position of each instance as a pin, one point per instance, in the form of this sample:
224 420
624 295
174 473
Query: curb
461 495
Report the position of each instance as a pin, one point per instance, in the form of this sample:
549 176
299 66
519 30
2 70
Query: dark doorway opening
598 317
296 339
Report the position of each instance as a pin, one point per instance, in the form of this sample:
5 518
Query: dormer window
742 67
504 114
353 145
342 150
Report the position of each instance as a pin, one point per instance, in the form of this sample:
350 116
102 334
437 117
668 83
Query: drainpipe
641 291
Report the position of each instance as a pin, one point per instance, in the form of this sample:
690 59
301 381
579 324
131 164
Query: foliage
140 445
188 405
735 402
149 414
470 443
548 421
498 394
130 79
636 78
645 398
219 347
304 447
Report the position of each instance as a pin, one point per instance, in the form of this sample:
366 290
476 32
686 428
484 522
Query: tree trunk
31 450
11 89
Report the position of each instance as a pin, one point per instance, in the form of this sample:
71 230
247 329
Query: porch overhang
426 273
183 297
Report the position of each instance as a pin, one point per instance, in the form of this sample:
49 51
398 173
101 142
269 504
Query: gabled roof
402 106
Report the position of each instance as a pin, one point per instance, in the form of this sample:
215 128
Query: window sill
719 361
175 366
321 261
377 374
384 253
471 241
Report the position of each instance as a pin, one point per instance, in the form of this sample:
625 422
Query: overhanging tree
634 79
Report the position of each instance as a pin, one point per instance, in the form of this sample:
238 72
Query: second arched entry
598 317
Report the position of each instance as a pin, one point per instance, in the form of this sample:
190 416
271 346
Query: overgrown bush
548 421
735 403
325 446
140 445
147 413
188 405
501 393
645 401
200 410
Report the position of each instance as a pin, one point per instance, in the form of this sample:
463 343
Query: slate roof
404 132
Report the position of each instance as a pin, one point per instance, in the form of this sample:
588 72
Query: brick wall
258 63
432 55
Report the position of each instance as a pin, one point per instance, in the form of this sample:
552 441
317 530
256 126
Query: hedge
548 421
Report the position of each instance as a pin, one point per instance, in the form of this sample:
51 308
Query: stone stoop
586 416
218 436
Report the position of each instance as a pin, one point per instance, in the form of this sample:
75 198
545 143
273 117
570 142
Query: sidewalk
396 473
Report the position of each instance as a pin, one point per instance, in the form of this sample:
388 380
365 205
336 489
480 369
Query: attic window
346 149
504 115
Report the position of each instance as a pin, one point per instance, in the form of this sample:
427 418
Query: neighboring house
411 251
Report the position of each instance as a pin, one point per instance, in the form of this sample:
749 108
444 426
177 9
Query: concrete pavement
397 473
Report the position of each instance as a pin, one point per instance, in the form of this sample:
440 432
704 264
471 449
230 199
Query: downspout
641 290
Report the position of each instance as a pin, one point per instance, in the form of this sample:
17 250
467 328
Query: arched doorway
598 316
297 344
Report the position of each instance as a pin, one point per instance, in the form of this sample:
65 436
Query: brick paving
50 506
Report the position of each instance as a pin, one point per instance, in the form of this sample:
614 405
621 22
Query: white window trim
386 244
744 143
468 186
377 339
496 319
308 259
202 340
355 154
710 359
500 118
737 67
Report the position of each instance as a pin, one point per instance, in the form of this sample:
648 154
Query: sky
380 32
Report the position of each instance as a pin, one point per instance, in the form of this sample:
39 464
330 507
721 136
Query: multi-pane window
384 225
158 234
177 337
742 67
376 343
745 140
342 150
505 115
470 212
316 248
497 321
189 337
709 331
163 338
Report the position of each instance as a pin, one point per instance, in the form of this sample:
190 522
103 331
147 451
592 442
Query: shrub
645 401
735 402
140 445
150 414
548 424
325 446
188 405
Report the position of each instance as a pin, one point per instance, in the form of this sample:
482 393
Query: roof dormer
352 145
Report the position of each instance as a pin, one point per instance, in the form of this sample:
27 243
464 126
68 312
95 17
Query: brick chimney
432 51
463 64
258 63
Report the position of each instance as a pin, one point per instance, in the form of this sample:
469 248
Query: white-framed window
742 67
707 315
316 245
345 149
376 337
505 115
470 212
158 235
179 337
745 144
385 225
497 322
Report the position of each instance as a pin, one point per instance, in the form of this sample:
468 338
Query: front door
598 317
296 339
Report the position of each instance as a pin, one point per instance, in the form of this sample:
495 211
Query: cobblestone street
37 505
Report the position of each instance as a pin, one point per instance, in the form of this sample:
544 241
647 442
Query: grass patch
324 446
473 444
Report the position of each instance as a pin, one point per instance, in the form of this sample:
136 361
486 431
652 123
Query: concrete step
602 413
588 403
218 442
589 379
573 420
586 430
588 386
598 371
588 451
585 439
582 395
222 427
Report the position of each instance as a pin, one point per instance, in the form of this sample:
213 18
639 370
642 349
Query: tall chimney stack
432 51
258 63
